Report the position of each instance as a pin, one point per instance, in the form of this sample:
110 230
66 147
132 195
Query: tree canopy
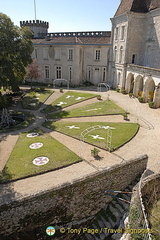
15 52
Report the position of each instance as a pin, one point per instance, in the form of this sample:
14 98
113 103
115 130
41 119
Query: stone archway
129 83
138 86
148 91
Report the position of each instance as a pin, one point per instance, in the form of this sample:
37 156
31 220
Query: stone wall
69 202
150 192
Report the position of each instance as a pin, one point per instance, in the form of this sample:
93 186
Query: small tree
33 71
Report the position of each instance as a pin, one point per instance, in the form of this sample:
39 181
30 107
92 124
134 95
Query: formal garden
36 152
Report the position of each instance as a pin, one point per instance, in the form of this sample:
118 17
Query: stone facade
135 58
106 57
76 57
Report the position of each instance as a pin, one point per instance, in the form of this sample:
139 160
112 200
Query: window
46 72
35 53
59 72
121 54
122 32
70 73
116 33
134 58
58 54
45 53
97 54
70 54
103 74
115 54
89 73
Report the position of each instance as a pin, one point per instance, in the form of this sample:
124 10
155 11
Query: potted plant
140 99
123 91
99 97
131 95
118 89
61 90
94 152
151 104
125 116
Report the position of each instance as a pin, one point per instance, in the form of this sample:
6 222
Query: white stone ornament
71 127
61 103
36 145
96 137
94 109
108 127
36 99
39 161
32 134
32 104
69 96
79 98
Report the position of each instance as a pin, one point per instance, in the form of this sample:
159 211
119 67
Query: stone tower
39 28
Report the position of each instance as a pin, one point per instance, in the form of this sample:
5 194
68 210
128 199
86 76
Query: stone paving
145 142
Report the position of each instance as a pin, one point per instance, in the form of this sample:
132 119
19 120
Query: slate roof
139 6
73 40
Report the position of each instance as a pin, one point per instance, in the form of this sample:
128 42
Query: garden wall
150 191
69 202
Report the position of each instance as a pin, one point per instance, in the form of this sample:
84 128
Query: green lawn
20 163
36 98
122 133
68 99
100 108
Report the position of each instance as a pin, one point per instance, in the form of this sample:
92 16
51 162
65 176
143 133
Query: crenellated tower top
38 27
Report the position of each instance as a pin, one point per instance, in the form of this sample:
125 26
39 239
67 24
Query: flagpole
35 9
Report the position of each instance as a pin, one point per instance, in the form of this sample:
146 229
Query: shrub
94 152
42 89
125 116
140 99
131 95
123 91
151 104
5 101
118 89
99 97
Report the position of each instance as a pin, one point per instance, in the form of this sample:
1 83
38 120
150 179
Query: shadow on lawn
5 175
7 193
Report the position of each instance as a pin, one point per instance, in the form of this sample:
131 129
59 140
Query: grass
122 133
37 97
95 109
155 220
69 101
20 163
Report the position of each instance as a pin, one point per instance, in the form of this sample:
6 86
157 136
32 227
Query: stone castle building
128 57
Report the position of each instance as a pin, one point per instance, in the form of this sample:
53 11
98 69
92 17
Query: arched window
121 54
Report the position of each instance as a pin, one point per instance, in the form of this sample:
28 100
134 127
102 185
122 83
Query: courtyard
144 142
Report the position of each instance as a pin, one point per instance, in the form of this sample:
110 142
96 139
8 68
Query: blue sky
64 15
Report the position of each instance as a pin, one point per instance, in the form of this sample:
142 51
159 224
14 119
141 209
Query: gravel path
145 142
